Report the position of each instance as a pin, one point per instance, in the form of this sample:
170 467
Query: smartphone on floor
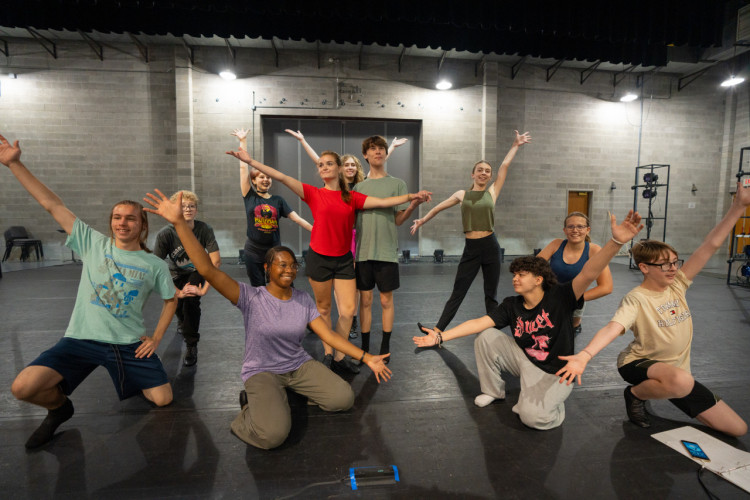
695 450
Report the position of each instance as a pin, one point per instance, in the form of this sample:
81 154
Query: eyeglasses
189 207
576 228
285 266
667 265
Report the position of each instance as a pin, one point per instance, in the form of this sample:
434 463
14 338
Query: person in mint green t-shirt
106 327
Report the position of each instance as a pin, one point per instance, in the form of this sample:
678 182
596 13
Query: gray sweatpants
541 403
266 420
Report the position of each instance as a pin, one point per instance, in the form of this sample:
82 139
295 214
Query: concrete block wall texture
97 132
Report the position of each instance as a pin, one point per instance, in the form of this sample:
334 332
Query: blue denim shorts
75 359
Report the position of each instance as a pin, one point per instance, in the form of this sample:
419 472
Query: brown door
578 201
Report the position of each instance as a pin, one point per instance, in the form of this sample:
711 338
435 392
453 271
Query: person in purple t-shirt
276 317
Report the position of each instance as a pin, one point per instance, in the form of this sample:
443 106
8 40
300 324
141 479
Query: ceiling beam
618 77
442 60
401 58
553 69
143 49
4 47
517 67
275 52
97 47
48 44
586 73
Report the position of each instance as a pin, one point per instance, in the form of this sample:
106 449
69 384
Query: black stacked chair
17 236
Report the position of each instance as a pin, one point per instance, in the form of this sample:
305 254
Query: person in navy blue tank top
567 257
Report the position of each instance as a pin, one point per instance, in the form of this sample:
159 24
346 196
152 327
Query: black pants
484 253
189 308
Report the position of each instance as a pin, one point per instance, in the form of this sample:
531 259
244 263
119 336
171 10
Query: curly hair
536 266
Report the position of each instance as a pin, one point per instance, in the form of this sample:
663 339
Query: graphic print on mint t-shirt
118 291
266 218
541 341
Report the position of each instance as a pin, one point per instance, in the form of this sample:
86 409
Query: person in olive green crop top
478 217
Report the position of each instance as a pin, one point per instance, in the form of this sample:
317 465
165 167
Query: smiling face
351 168
481 174
576 228
261 182
654 275
328 167
282 270
127 226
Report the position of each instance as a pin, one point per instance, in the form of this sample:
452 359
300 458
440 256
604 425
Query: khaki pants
541 403
266 420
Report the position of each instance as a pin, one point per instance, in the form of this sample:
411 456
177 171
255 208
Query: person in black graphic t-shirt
539 318
264 211
190 285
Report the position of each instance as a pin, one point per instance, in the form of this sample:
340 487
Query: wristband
591 356
363 356
618 242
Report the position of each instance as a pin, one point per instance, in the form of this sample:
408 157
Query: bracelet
590 355
439 340
618 242
363 356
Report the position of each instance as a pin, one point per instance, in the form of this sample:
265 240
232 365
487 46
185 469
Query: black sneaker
636 409
328 360
191 355
243 399
353 330
345 365
46 430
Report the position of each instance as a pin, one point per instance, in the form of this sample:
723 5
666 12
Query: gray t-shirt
377 238
274 330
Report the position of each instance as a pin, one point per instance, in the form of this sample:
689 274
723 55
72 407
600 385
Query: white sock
483 400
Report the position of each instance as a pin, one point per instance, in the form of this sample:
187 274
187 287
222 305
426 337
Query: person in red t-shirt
329 263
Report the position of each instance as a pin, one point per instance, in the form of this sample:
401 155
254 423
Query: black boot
191 355
636 409
46 431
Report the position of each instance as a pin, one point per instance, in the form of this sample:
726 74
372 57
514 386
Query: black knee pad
699 400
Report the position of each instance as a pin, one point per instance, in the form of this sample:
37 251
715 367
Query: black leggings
481 252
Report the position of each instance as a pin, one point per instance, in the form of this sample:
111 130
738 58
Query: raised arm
308 149
396 142
294 217
376 363
290 182
453 200
245 184
577 362
621 234
548 251
716 237
172 212
604 282
375 202
502 172
10 156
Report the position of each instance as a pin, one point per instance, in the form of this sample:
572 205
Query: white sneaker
483 400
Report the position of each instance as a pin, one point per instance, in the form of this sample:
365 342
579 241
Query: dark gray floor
423 421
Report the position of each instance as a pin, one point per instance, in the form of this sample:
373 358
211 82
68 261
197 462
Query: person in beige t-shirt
657 362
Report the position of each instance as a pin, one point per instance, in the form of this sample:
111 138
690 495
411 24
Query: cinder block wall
97 132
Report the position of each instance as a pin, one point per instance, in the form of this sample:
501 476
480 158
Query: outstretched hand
398 142
430 338
573 369
379 368
163 206
522 139
241 155
414 227
297 135
629 227
240 133
9 153
423 196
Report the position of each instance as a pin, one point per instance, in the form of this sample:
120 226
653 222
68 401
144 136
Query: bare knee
365 299
160 396
386 300
680 383
21 390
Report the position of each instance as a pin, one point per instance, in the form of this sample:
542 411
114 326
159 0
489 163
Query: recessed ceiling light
629 97
443 85
228 75
732 81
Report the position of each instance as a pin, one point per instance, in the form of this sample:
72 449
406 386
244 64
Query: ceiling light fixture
732 81
629 97
228 75
443 85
